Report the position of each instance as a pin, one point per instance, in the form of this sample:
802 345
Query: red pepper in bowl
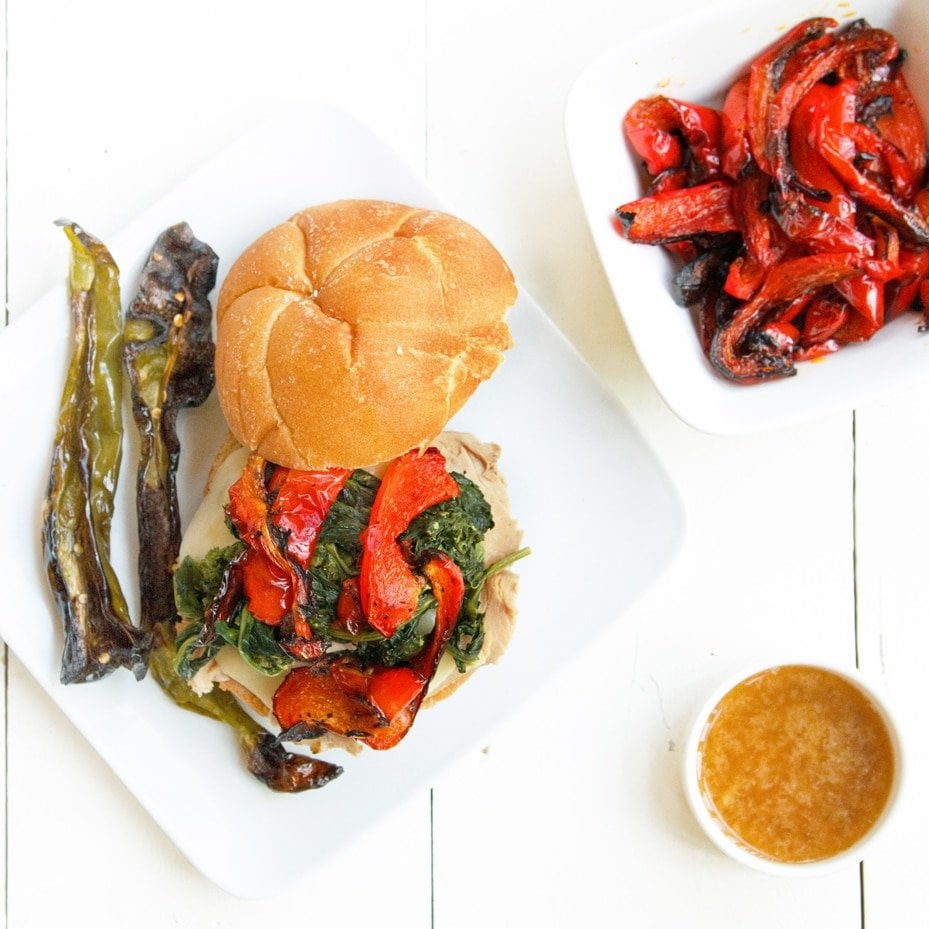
814 202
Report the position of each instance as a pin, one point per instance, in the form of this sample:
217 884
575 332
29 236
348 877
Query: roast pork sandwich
350 562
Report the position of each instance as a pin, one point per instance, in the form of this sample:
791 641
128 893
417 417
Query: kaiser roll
353 331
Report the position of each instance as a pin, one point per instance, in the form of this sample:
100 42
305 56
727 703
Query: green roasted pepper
265 757
169 360
78 510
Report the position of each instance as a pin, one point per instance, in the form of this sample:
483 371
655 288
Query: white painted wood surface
811 539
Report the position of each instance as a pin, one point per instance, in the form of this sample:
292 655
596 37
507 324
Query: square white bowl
696 58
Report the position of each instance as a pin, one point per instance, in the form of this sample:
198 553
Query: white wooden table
572 813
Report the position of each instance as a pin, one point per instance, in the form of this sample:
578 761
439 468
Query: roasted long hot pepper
78 511
265 757
169 359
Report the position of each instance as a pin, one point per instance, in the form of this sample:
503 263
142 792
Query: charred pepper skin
824 158
265 758
169 359
168 356
98 633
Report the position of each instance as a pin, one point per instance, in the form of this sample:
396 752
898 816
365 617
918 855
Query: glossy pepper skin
375 704
388 587
168 356
824 158
659 128
265 757
98 633
278 513
682 213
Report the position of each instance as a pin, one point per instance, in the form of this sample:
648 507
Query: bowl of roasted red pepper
756 184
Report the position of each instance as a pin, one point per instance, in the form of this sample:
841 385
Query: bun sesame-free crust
355 330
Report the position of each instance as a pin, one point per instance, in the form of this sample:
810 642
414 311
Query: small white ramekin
719 833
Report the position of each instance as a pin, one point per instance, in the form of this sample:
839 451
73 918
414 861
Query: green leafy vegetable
338 551
406 642
256 643
457 528
196 583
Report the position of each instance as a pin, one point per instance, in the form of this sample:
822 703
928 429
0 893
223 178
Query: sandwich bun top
355 330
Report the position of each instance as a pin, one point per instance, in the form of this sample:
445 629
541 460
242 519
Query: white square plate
696 58
597 510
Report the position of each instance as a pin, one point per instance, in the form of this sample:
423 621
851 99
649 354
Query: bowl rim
724 840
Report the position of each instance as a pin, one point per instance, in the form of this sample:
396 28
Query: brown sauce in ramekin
797 763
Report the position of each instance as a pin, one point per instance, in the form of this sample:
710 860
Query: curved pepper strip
388 588
674 179
656 127
301 504
375 705
448 588
902 125
836 141
735 151
901 294
875 43
763 75
649 126
812 173
765 244
816 209
281 536
786 281
78 509
268 588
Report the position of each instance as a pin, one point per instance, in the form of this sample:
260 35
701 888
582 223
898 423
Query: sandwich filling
340 601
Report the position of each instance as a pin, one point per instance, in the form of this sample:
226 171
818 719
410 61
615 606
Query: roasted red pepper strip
816 209
815 177
649 126
375 705
674 179
902 126
388 588
680 214
448 588
248 502
280 558
902 293
876 43
835 141
394 689
321 700
765 244
656 127
268 589
735 149
301 506
822 319
786 281
763 75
